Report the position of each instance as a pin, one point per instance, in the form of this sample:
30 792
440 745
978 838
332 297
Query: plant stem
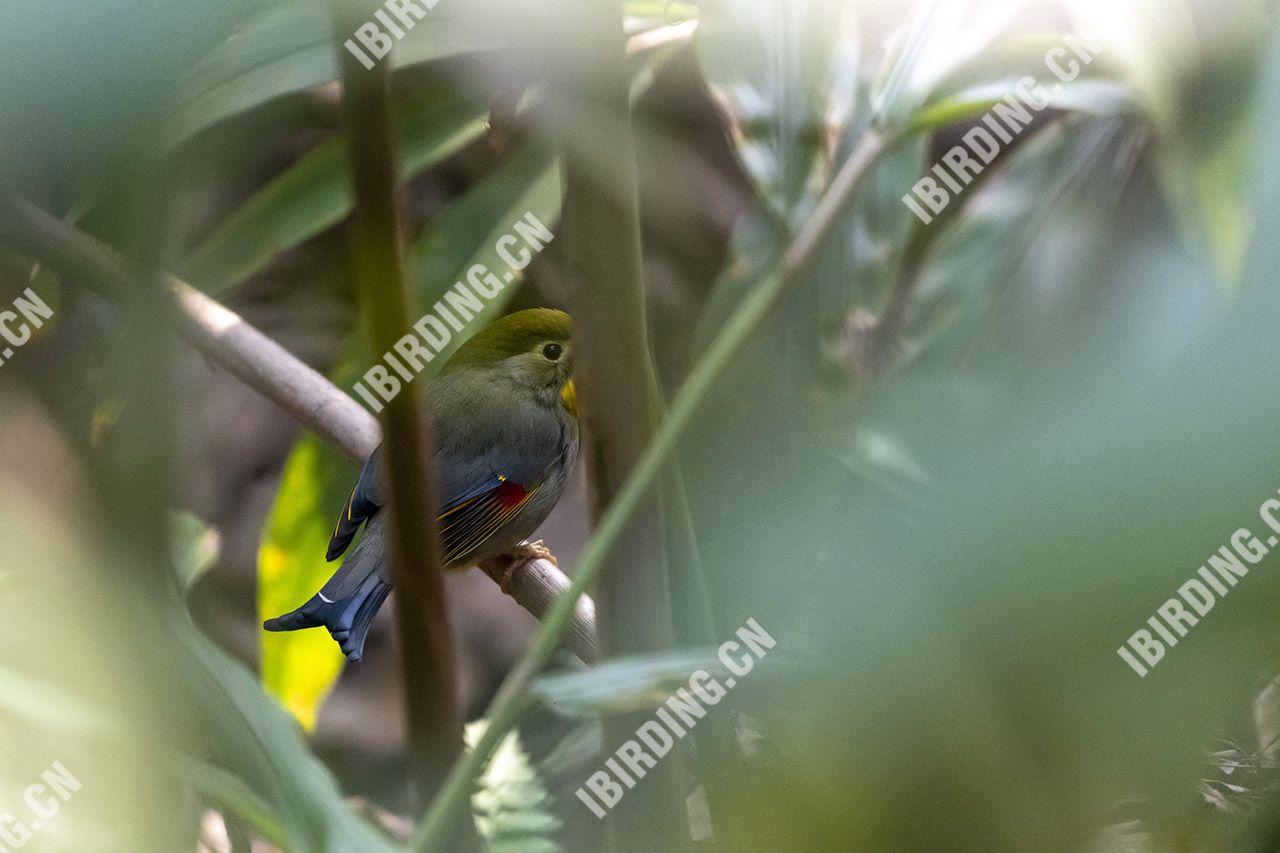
618 391
428 672
510 701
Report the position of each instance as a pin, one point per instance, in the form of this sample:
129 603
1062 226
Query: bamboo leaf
230 792
315 192
787 71
465 235
940 38
288 48
638 683
256 742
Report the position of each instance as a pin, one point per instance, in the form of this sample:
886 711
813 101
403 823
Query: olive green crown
511 335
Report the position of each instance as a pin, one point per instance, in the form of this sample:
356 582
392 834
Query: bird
505 412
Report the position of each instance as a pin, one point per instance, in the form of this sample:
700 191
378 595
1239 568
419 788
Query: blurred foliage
948 544
300 667
315 194
194 547
511 804
465 235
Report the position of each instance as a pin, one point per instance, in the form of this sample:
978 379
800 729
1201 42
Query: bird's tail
347 603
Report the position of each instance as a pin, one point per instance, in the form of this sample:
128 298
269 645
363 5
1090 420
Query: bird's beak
569 396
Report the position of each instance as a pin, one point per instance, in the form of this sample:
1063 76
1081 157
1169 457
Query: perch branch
307 396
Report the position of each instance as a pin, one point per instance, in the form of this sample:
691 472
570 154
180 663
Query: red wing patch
466 526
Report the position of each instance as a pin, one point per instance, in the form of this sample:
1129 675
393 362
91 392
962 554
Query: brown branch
428 669
227 340
536 584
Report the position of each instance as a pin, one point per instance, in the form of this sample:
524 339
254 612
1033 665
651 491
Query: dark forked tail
347 603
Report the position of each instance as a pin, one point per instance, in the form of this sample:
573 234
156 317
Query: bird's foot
533 551
502 568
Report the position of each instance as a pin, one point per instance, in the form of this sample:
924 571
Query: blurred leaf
881 459
974 87
1192 68
1098 97
465 234
511 805
288 48
1208 186
787 70
970 268
259 745
50 705
938 39
194 546
315 192
229 792
665 11
621 686
300 667
1266 718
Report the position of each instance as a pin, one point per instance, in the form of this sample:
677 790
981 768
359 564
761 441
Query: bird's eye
552 352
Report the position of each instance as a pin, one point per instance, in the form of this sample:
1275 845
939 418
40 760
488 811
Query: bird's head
528 348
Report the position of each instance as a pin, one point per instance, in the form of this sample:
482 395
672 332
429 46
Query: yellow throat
569 395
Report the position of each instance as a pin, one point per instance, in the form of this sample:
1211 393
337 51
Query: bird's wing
487 500
484 475
467 523
365 500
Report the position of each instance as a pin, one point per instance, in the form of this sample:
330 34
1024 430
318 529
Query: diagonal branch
224 338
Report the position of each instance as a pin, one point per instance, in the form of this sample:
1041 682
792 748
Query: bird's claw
503 569
533 551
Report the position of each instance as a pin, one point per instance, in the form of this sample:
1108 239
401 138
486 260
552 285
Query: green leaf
511 805
300 667
1096 97
787 70
47 704
315 193
466 234
289 48
974 87
285 788
625 685
230 792
194 547
968 270
940 38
